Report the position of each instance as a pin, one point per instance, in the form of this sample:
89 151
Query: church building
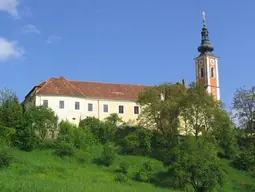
75 100
207 71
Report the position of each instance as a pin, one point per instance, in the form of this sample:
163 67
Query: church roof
61 86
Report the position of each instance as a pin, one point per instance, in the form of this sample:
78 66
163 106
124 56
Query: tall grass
42 171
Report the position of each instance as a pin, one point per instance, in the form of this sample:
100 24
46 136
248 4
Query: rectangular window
201 72
90 107
77 106
61 104
121 109
136 110
45 103
105 108
212 72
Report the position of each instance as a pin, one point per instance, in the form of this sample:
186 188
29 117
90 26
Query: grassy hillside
42 171
237 180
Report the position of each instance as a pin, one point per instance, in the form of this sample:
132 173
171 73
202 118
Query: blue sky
123 41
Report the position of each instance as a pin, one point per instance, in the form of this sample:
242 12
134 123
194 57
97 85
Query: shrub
121 178
123 168
90 122
47 144
108 155
42 120
7 134
82 156
145 137
138 142
109 132
66 128
142 176
148 166
64 149
104 131
131 143
83 138
246 160
6 157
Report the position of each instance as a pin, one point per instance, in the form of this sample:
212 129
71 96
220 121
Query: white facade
73 115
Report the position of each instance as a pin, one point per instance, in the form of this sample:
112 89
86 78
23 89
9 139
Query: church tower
207 71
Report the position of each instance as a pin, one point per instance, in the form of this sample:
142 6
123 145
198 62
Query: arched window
212 72
202 72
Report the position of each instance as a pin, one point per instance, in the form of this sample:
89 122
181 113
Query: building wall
72 115
207 63
30 101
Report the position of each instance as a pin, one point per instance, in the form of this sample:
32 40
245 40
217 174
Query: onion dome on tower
205 48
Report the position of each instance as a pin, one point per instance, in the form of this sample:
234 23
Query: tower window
212 72
201 72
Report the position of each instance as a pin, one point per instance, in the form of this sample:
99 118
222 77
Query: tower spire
204 18
205 48
207 69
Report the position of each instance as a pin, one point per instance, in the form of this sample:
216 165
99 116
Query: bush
246 160
121 178
138 142
142 176
6 157
123 168
131 144
64 149
83 138
148 166
66 128
82 156
7 134
26 138
108 155
47 144
104 131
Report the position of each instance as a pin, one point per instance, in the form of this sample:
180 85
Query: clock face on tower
212 61
200 62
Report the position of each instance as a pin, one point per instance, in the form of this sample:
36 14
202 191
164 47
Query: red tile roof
61 86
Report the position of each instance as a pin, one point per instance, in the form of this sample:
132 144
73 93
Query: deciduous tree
161 108
197 166
42 120
244 108
200 110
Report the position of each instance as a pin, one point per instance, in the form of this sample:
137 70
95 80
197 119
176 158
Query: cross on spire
204 18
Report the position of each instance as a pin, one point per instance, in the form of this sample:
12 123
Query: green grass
235 177
42 171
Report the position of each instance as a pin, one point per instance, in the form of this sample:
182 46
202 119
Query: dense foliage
185 129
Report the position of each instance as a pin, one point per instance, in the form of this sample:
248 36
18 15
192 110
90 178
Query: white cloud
10 6
52 39
9 49
30 29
